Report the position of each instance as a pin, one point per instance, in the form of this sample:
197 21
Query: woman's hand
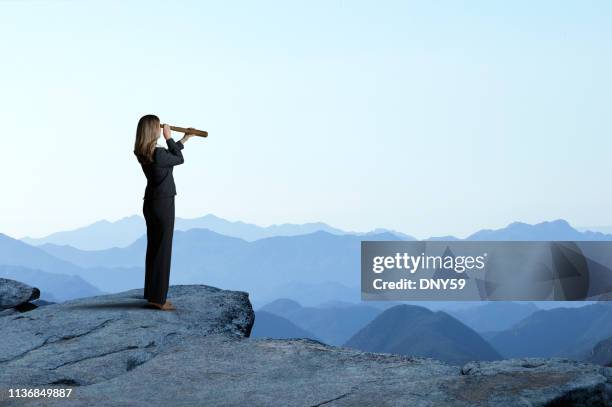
187 135
167 133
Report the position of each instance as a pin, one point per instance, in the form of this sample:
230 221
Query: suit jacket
160 181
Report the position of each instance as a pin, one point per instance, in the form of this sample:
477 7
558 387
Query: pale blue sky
429 117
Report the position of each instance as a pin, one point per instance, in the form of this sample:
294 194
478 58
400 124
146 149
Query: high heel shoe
167 306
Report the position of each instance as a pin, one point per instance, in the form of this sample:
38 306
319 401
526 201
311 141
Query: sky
426 117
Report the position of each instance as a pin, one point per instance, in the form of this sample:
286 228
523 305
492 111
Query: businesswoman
158 206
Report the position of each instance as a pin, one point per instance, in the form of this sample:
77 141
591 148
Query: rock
555 381
9 311
89 340
113 351
42 303
602 353
14 293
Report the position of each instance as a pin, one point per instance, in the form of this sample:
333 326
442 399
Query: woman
158 206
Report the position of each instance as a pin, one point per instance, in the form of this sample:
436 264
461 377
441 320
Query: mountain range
494 316
333 323
312 267
104 234
320 270
272 326
54 287
265 267
559 332
417 331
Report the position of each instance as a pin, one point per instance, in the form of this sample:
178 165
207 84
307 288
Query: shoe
167 306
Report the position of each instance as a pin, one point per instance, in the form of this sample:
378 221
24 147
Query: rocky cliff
602 353
15 296
113 351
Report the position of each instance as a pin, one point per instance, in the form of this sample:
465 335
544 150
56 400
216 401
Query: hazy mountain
333 324
335 304
202 240
251 232
443 238
204 256
607 229
311 268
310 294
378 231
53 286
554 230
562 332
416 331
17 253
99 235
558 229
315 264
14 252
494 316
272 326
130 256
282 307
432 305
123 232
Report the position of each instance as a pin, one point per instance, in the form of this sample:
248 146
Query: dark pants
159 215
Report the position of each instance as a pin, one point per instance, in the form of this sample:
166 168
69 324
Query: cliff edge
113 351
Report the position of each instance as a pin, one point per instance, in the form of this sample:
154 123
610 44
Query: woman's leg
151 244
163 231
168 234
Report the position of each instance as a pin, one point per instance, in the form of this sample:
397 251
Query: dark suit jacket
160 182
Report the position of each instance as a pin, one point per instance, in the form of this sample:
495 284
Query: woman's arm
186 137
170 157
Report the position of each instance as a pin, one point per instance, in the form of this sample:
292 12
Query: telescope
193 131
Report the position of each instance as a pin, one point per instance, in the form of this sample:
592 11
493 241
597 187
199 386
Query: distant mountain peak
546 223
281 306
123 232
413 330
557 229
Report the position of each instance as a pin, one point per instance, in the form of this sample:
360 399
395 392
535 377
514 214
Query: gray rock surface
14 293
114 352
602 353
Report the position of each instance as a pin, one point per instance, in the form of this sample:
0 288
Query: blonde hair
147 133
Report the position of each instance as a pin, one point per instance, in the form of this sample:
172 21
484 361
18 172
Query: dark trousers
159 216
